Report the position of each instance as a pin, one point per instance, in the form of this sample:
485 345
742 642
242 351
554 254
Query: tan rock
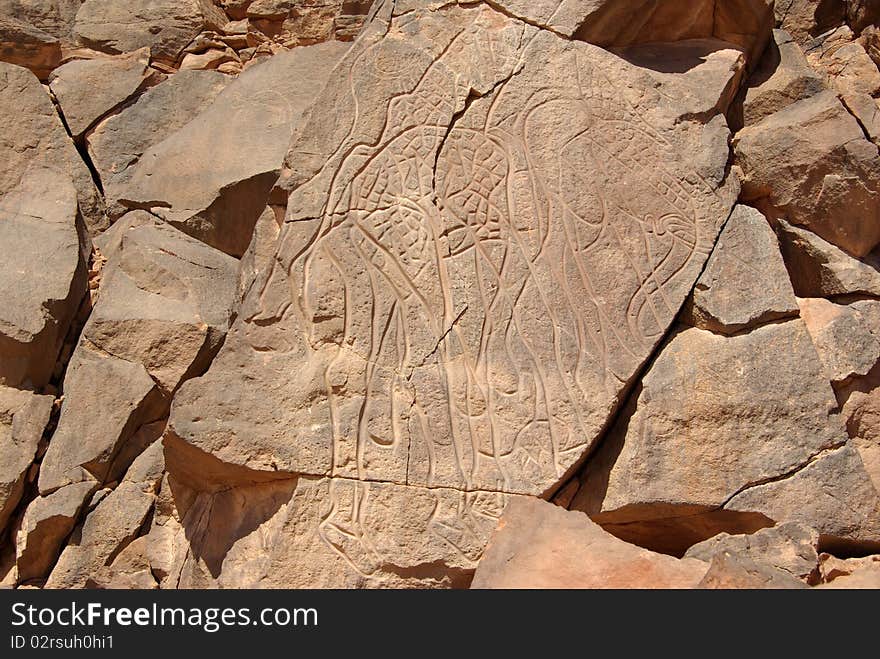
166 27
866 110
790 547
806 19
43 271
23 419
831 567
28 46
833 494
113 523
782 77
45 526
812 164
210 59
130 570
87 90
819 269
844 337
539 545
161 314
244 134
848 66
745 282
117 144
35 136
713 416
55 17
736 571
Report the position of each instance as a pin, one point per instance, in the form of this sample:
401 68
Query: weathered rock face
166 27
117 144
533 536
280 311
714 416
453 327
87 90
244 134
43 267
23 418
745 282
811 163
34 135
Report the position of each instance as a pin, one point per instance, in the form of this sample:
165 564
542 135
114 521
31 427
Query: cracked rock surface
439 294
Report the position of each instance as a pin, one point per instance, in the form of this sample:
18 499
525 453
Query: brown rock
847 64
806 19
35 136
539 545
28 46
866 110
113 523
46 524
862 13
23 418
162 312
833 494
745 282
54 17
783 76
87 90
713 416
244 134
117 144
844 338
166 27
790 547
812 164
728 571
819 269
43 270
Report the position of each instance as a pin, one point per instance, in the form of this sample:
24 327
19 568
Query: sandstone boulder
844 337
161 314
745 282
113 523
44 528
728 571
806 19
23 419
34 135
164 26
539 545
847 65
28 46
43 270
812 164
212 177
820 269
783 76
54 17
713 416
117 144
790 547
87 90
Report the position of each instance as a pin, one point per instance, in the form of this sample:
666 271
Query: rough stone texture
783 76
728 571
745 282
819 269
833 494
28 46
162 312
43 271
166 27
87 90
45 526
843 337
539 545
34 135
244 134
847 65
713 416
832 568
790 547
113 523
117 144
55 17
866 110
811 163
23 418
806 19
